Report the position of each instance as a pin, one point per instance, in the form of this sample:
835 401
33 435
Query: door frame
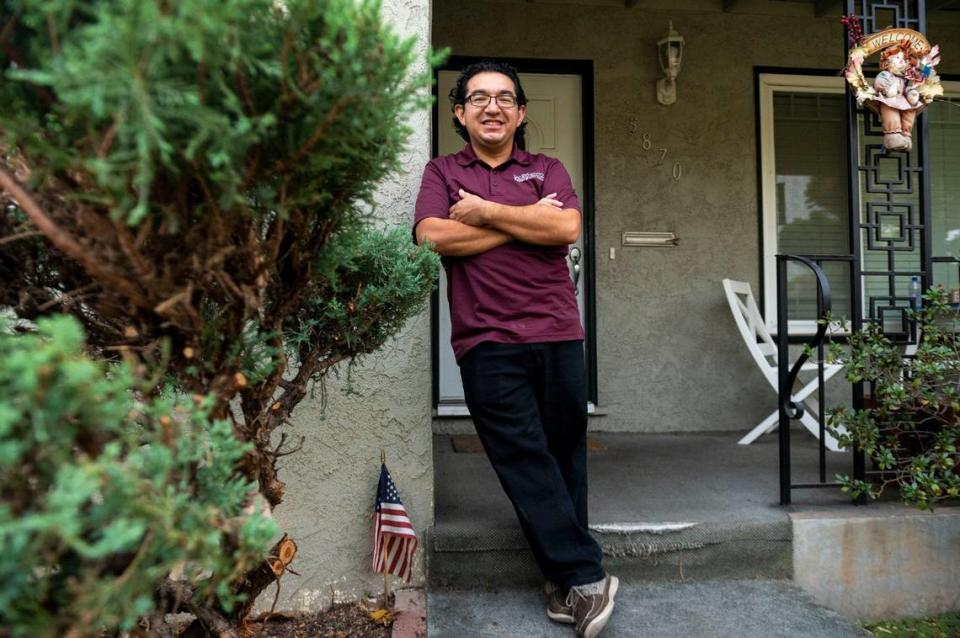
583 68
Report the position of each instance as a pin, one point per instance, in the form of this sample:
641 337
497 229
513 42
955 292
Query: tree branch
18 236
129 246
7 29
65 242
182 593
332 115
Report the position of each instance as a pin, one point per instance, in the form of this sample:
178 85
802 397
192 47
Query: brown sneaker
591 611
557 608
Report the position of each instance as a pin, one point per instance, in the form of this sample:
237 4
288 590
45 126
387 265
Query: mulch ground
348 620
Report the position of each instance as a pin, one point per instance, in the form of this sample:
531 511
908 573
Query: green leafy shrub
199 176
942 626
106 491
194 183
911 426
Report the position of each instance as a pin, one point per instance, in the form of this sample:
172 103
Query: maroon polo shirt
517 292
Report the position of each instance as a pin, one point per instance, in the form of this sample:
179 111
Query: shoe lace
572 596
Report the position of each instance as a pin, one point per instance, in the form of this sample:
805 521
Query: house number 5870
646 143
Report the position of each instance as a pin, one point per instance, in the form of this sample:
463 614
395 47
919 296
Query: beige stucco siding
669 357
331 482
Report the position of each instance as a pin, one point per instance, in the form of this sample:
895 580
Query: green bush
193 182
204 171
911 429
106 491
942 626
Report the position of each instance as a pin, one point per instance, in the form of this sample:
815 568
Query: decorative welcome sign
907 81
920 53
888 37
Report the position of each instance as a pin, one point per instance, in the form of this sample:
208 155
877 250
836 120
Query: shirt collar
468 156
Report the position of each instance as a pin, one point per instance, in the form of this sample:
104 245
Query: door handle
575 255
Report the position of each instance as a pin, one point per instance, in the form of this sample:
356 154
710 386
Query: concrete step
662 507
463 555
718 609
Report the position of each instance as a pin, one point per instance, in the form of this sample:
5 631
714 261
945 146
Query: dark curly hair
458 94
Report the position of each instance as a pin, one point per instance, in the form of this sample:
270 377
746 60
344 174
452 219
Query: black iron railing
787 375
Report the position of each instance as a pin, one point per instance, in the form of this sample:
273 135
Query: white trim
643 528
458 408
769 84
951 89
452 409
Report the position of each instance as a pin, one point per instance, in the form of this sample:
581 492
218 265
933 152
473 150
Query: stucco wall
331 482
669 357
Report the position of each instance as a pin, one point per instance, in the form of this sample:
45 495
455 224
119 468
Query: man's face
493 125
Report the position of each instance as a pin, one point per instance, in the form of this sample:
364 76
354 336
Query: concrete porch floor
654 478
675 509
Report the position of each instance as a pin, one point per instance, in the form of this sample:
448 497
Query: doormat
470 444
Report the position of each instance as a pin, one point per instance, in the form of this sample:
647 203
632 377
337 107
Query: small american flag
394 541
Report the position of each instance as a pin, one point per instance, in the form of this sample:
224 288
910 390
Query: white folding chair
764 351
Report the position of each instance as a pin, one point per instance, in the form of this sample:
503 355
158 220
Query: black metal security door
890 234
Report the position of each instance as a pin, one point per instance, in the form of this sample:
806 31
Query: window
804 200
944 137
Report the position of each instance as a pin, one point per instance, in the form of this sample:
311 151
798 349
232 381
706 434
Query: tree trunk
269 571
225 624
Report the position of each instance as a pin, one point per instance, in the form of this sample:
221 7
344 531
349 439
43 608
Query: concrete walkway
718 609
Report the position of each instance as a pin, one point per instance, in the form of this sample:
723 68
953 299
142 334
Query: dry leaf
382 616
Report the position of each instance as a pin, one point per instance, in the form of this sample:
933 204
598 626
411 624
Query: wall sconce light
670 54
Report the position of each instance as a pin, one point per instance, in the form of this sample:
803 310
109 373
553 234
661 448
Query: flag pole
386 584
383 550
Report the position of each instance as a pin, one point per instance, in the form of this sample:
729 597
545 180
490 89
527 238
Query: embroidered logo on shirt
526 176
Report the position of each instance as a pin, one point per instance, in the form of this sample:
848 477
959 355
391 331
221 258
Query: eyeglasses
504 100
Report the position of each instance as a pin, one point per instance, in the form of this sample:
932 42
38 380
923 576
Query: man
502 219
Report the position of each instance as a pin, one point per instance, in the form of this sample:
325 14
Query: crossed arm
477 225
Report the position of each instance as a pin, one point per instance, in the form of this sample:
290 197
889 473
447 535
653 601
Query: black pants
529 405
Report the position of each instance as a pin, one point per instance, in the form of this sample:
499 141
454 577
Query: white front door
555 128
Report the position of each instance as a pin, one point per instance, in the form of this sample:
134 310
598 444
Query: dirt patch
348 620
